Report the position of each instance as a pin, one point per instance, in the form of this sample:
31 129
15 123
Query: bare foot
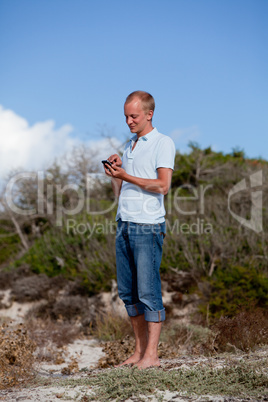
131 360
147 362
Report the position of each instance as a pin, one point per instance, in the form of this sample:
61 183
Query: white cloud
182 137
35 147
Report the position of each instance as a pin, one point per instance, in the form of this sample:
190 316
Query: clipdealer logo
45 194
255 222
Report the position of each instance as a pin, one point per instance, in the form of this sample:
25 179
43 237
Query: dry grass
181 338
16 355
244 331
111 327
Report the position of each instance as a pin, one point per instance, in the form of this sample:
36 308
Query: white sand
86 352
13 310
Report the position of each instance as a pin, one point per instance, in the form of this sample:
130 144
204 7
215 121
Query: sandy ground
13 311
87 354
61 394
84 354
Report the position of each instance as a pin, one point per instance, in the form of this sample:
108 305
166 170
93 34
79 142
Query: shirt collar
144 137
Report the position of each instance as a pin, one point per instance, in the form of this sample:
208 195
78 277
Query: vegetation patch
122 384
227 264
245 331
235 287
111 327
233 380
9 241
192 339
47 332
16 355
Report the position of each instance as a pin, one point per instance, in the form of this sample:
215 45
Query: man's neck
144 132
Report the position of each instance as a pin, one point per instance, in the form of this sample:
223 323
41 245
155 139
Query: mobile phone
106 162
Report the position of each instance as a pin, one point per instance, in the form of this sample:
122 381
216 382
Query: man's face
138 121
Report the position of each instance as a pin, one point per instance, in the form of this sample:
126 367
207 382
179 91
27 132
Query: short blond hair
146 99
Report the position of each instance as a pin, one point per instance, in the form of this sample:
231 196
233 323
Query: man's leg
147 251
139 326
147 336
150 357
127 290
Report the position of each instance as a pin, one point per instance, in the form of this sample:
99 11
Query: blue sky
73 62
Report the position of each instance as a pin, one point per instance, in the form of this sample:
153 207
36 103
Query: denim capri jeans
138 259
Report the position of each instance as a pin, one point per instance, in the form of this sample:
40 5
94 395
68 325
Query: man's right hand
115 159
116 183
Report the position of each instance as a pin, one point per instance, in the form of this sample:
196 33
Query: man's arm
116 186
160 185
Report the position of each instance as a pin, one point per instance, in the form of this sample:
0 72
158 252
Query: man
141 179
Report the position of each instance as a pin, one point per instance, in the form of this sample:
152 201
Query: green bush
9 244
73 255
232 288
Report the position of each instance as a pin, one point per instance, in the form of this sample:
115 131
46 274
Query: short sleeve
166 153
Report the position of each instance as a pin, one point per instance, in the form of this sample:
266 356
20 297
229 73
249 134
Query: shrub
245 331
74 255
16 355
45 332
67 308
110 327
31 288
232 288
9 277
9 244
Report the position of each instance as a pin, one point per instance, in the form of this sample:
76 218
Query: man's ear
150 115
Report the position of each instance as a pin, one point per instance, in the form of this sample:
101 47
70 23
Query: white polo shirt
152 151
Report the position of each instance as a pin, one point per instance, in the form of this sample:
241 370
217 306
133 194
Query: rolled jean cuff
135 309
155 316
